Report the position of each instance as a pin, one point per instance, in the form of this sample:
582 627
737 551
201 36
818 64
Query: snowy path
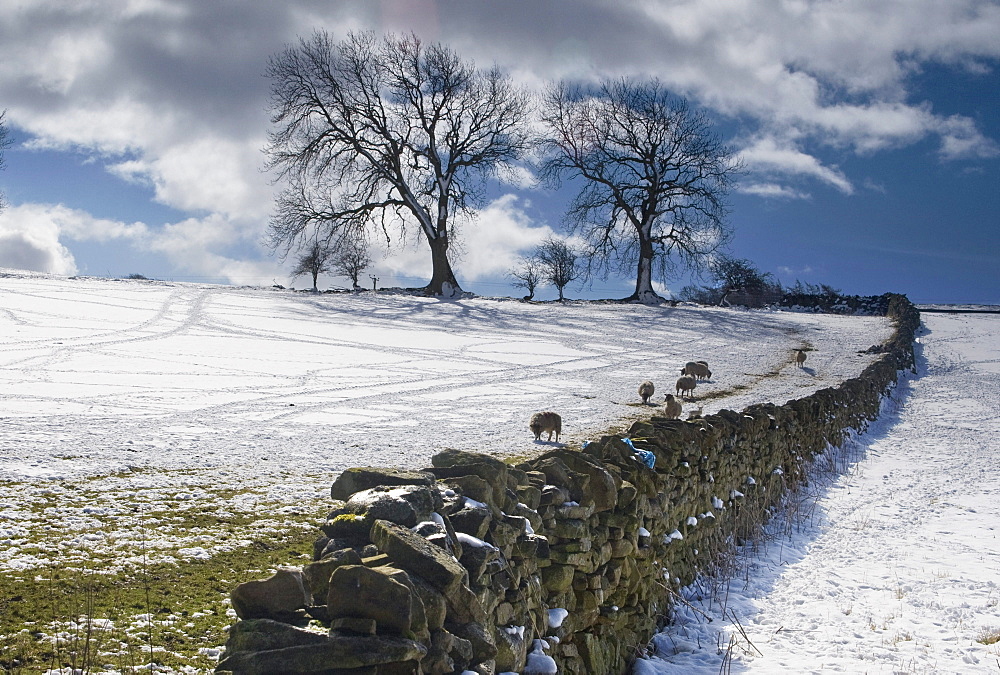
122 395
899 569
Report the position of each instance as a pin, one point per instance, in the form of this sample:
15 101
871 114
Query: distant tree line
386 135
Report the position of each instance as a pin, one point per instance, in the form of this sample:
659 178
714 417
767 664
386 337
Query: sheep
646 390
698 369
671 407
800 357
686 384
545 421
696 413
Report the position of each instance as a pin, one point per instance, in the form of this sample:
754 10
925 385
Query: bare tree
527 274
314 260
654 177
371 132
559 263
352 259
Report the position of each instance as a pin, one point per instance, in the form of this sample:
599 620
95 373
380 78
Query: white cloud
960 139
29 240
771 191
170 95
767 156
498 236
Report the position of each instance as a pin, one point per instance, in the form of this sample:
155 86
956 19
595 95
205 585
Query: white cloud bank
172 95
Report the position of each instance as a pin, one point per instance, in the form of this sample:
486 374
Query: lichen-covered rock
405 504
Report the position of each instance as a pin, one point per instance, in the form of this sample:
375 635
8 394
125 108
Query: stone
464 606
406 504
347 527
529 495
413 553
512 648
494 476
317 574
265 634
472 519
364 478
450 457
360 592
340 652
554 495
476 558
280 597
476 488
557 578
484 647
351 625
571 528
435 606
601 488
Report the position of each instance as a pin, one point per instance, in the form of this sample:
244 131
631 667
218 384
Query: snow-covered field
897 567
127 405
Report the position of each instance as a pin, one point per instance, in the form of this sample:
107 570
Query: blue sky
871 131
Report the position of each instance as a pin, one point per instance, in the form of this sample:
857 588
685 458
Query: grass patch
173 615
989 636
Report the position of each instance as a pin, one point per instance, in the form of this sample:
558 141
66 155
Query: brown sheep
545 421
646 390
671 407
698 369
686 385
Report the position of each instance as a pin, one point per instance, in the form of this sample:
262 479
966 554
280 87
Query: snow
556 616
894 565
125 405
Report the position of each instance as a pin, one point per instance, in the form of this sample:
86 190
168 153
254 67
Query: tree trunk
315 276
443 280
644 292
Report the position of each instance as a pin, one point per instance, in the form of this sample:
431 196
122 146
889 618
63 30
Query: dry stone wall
565 563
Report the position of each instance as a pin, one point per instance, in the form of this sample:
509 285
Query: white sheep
646 390
672 408
686 384
545 421
800 357
697 369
